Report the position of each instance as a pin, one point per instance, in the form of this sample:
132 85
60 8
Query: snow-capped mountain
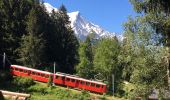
81 26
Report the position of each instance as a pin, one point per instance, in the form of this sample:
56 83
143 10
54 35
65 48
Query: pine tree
13 17
61 43
32 45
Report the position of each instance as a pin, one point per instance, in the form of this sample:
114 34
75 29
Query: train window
97 85
92 84
38 74
72 80
62 78
33 73
82 82
87 83
46 76
16 69
68 79
21 70
25 71
57 77
42 75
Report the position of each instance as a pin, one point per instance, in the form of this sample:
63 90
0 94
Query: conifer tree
32 45
62 45
85 66
13 17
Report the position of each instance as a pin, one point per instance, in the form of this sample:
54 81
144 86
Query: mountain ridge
81 26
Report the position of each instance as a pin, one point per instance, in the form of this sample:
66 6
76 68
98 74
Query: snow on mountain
81 26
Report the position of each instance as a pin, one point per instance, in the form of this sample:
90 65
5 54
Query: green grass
41 91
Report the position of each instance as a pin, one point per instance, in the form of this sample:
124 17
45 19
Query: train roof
64 74
23 67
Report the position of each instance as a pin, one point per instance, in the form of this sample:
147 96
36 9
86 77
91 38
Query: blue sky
109 14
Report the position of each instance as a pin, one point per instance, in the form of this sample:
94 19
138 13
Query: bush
103 97
84 95
5 76
38 89
23 82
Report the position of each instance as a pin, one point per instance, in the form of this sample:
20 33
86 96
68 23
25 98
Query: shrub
38 89
5 76
23 81
84 95
103 97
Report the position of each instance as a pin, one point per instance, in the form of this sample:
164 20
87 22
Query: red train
59 78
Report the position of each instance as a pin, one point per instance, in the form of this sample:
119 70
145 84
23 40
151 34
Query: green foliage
39 89
31 36
105 59
13 17
156 14
142 91
57 93
61 43
5 76
103 97
85 66
144 63
23 82
32 44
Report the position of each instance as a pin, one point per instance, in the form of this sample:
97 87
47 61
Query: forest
32 37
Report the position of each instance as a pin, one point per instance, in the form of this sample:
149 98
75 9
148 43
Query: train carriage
59 79
71 81
92 85
38 75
